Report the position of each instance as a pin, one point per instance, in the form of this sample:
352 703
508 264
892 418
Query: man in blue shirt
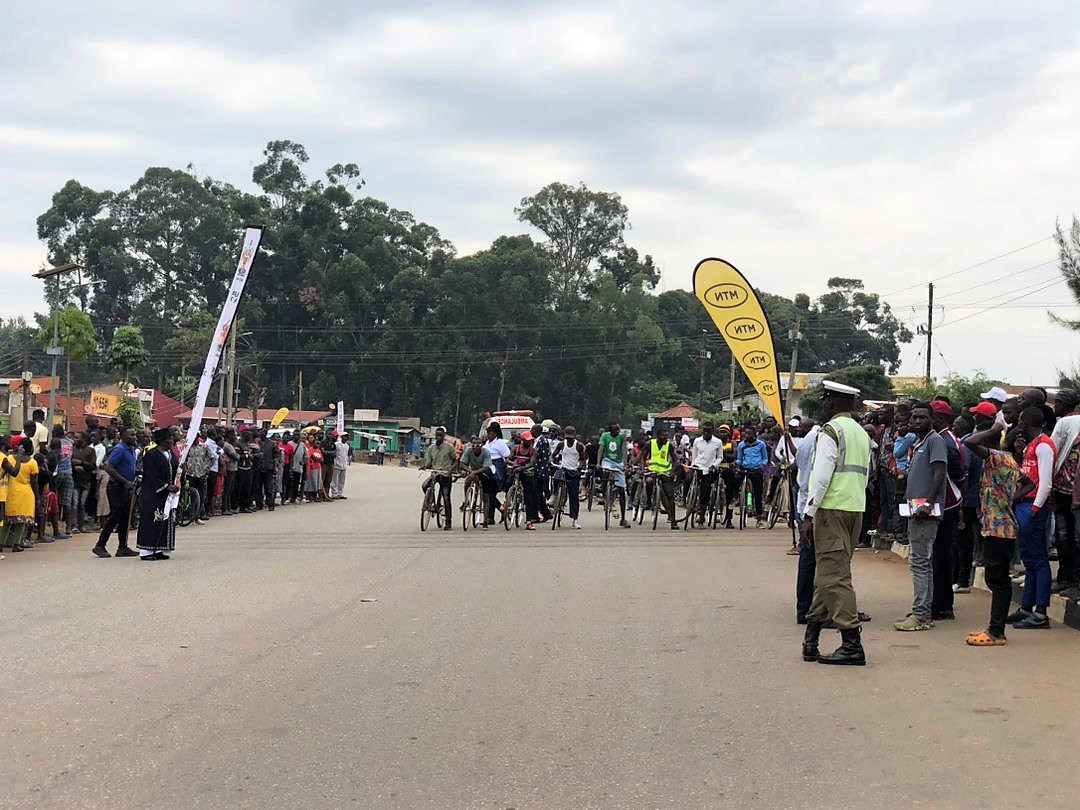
751 458
120 467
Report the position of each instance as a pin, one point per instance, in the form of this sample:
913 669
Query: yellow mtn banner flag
735 309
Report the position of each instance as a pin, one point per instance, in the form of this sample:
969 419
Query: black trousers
119 514
445 485
804 583
1066 540
244 486
264 493
293 480
964 547
942 563
706 481
573 492
997 557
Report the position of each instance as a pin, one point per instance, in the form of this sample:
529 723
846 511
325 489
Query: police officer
834 513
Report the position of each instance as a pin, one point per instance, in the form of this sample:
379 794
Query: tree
871 381
1069 263
127 351
582 227
77 336
848 326
959 389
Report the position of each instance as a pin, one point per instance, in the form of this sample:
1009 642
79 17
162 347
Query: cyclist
659 459
613 459
707 452
569 455
439 458
751 458
523 462
499 451
477 460
727 470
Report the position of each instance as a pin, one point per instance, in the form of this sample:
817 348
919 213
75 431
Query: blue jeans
1031 543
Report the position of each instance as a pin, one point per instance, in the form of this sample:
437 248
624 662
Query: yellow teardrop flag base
737 312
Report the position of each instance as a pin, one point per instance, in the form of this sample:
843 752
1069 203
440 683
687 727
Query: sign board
340 417
646 424
365 414
104 404
689 423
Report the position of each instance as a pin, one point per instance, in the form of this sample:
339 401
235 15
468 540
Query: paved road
540 670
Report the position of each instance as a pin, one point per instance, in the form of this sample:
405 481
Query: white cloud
63 140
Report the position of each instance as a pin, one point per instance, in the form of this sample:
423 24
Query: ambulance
509 421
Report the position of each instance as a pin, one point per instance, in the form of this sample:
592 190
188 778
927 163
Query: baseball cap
938 406
526 436
997 392
794 421
985 409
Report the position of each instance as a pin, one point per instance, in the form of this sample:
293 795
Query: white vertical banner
252 238
340 417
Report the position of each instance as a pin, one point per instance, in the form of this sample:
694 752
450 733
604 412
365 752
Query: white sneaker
574 524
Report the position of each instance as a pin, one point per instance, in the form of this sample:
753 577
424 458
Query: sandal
984 639
863 617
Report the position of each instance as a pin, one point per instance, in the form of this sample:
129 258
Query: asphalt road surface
332 656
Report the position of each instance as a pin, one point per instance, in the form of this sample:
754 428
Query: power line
970 266
1017 298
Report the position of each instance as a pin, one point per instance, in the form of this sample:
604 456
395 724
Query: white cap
547 424
839 388
997 392
794 421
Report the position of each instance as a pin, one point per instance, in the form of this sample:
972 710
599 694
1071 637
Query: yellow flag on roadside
737 312
279 417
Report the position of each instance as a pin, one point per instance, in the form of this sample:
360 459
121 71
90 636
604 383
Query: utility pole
230 379
731 388
55 350
221 385
300 392
795 335
27 376
929 332
502 378
703 355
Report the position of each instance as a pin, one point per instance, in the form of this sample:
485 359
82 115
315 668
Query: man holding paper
925 490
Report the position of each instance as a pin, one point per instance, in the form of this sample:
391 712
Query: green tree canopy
127 351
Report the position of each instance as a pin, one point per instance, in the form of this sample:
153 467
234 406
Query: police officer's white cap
839 389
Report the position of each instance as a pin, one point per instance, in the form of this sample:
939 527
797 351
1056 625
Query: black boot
810 640
850 653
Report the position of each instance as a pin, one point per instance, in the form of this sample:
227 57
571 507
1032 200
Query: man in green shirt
613 459
439 458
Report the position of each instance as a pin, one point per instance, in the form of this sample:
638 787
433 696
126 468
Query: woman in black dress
157 531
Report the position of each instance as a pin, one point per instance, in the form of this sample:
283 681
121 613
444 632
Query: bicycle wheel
519 503
691 502
188 509
560 499
466 507
508 502
439 516
591 489
777 504
655 489
427 508
719 504
478 507
744 495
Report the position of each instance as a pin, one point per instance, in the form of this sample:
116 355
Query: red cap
942 407
526 436
985 409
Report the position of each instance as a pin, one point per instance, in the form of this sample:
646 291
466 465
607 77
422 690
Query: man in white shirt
342 460
706 454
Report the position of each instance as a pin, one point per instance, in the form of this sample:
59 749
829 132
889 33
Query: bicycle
588 488
188 509
781 500
746 500
718 502
560 502
514 503
692 496
432 505
473 506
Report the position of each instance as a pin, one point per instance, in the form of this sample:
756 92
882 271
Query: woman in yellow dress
21 506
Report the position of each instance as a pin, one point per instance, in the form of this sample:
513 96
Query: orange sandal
984 639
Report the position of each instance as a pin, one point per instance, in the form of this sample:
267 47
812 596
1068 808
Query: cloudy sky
893 141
